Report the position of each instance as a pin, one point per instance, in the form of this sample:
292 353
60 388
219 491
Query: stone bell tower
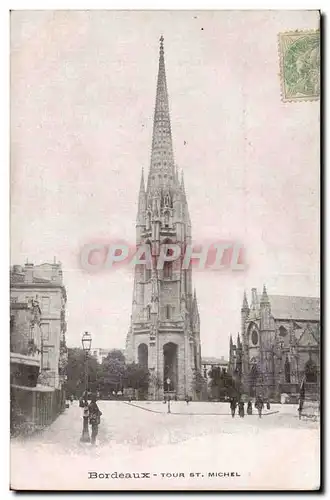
164 333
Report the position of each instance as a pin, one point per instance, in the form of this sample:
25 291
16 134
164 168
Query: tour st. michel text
162 475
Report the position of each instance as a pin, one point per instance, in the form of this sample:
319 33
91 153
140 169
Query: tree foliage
75 371
113 375
136 377
199 384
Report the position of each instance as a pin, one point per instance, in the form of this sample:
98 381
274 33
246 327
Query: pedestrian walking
241 409
259 404
301 397
169 404
233 404
268 405
94 418
300 407
249 408
187 399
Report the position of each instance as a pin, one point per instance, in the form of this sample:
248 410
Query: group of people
238 403
92 413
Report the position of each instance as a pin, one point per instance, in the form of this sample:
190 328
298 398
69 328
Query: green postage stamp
300 65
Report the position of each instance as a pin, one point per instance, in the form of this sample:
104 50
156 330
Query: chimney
28 272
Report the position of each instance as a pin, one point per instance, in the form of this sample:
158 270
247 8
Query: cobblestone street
277 449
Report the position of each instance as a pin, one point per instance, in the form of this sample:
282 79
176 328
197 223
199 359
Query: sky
83 87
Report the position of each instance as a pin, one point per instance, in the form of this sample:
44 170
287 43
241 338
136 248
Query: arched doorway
254 374
143 355
170 352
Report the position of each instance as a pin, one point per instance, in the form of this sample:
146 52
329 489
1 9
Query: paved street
276 451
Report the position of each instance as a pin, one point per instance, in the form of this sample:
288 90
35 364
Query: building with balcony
44 284
38 351
25 343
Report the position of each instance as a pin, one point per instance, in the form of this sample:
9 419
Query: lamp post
86 343
168 381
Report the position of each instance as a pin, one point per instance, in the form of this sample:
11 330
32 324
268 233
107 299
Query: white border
4 152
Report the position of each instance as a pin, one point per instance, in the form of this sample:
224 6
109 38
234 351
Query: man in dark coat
259 404
241 409
233 404
94 418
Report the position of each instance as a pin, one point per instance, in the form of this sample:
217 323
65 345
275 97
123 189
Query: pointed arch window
168 270
287 371
283 331
167 219
148 312
168 311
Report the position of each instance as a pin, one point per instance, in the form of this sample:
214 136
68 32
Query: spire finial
264 297
161 47
142 188
162 158
245 304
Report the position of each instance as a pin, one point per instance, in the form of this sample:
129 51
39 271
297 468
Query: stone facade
164 333
44 285
25 343
279 346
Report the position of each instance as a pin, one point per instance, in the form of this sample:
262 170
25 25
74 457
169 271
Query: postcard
165 250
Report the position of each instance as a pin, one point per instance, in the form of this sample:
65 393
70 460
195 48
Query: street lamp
168 381
86 343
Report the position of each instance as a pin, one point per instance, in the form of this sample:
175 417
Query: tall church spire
162 159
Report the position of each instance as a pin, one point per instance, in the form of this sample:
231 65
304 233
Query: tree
75 371
111 373
136 377
199 384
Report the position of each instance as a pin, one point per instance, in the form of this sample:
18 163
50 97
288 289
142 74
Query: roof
20 278
299 308
16 277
